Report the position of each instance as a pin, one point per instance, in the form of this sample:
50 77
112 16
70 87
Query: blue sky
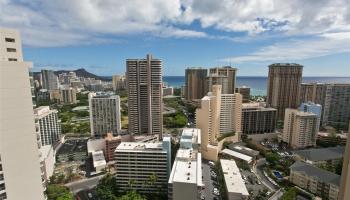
248 34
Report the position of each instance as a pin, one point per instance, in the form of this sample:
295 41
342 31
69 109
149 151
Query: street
84 184
208 182
259 172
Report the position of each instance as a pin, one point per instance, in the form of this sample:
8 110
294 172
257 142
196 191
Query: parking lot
209 182
254 186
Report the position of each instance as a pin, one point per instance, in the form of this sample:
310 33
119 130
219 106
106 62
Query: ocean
258 84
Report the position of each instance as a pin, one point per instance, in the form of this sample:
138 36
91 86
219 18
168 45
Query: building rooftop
187 167
192 135
237 155
139 146
43 111
320 174
70 146
285 65
45 151
233 179
321 154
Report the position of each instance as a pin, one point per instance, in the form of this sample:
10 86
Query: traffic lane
259 171
84 184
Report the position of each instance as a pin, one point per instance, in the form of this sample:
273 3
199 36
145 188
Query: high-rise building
20 174
256 119
144 167
185 181
195 83
68 95
224 76
144 80
312 108
334 101
118 82
218 114
283 87
49 125
245 92
49 80
104 114
344 192
300 128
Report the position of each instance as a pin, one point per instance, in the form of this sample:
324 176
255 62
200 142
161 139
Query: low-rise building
144 167
47 161
72 150
338 138
322 156
318 181
168 91
244 150
185 181
99 161
235 186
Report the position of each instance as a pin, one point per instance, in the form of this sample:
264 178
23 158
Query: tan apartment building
300 128
283 87
318 181
68 95
144 80
245 92
195 83
344 191
118 82
224 76
217 115
20 174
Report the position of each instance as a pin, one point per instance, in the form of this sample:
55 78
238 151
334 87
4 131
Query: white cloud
293 50
71 22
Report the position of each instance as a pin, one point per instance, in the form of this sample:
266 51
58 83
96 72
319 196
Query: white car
211 163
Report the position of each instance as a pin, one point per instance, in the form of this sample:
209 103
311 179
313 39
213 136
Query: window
12 59
11 50
10 39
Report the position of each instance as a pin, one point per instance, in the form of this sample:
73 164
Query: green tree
58 192
107 188
132 195
272 158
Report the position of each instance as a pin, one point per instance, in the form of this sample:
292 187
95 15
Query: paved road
85 184
259 172
208 182
277 195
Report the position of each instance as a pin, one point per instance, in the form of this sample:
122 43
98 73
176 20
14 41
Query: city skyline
184 34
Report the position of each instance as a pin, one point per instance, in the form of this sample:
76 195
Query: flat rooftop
331 153
320 174
191 134
237 155
139 146
187 167
233 178
74 145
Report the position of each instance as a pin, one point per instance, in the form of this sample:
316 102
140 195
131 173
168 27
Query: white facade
185 181
48 160
49 125
20 164
144 167
104 114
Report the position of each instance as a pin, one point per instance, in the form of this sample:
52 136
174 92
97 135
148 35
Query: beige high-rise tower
20 174
344 190
283 87
224 76
218 114
144 80
300 128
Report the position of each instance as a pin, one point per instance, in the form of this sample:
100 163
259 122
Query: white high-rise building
20 174
49 125
144 167
300 128
49 80
185 181
104 114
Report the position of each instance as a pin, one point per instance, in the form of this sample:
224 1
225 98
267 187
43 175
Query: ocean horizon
258 84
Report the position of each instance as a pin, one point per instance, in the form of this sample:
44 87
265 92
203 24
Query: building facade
104 114
283 87
256 119
218 114
144 167
245 92
18 144
300 128
195 83
118 82
49 125
49 80
224 76
144 80
185 181
344 192
318 181
68 96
